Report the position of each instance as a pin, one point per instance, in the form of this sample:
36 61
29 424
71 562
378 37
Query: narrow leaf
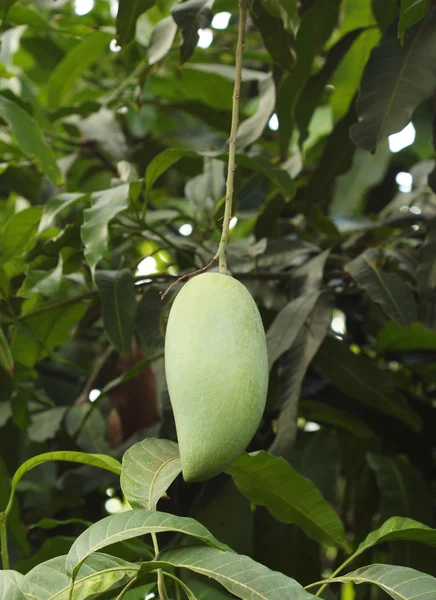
272 28
397 78
149 468
128 13
191 16
6 360
252 128
75 63
19 232
161 40
411 12
30 138
162 162
287 11
239 574
387 289
395 338
118 298
291 498
131 524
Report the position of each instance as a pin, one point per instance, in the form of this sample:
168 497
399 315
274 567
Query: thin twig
185 276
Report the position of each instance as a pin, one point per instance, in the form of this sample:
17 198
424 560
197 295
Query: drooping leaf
162 162
293 370
46 283
149 468
396 338
30 139
387 289
191 16
18 232
287 10
403 75
239 574
56 205
6 360
411 12
252 128
100 572
105 205
161 40
118 298
131 524
48 523
401 583
75 63
359 378
271 481
127 15
9 590
37 334
86 424
45 424
286 326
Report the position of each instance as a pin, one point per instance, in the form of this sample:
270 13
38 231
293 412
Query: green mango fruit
217 372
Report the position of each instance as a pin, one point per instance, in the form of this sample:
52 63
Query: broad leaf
286 326
6 360
387 289
396 338
105 205
161 40
191 16
149 468
162 162
402 75
30 139
128 13
56 205
411 12
427 262
321 412
273 31
239 574
19 580
19 232
251 129
75 63
9 590
46 283
287 10
359 378
291 498
45 424
149 322
100 572
118 298
131 524
401 583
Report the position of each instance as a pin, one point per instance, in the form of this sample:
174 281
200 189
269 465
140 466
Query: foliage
114 130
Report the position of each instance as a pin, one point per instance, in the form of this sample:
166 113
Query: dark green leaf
387 289
320 412
403 77
411 12
427 262
274 35
149 468
149 322
162 162
118 298
18 232
359 378
287 10
45 424
56 205
251 129
6 360
272 482
128 13
30 139
191 16
396 338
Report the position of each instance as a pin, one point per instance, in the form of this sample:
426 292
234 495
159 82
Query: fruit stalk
221 253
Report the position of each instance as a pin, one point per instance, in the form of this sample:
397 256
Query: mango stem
221 253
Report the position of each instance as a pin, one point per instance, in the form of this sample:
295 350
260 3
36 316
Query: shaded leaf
46 283
47 523
74 64
86 424
128 13
401 583
396 338
56 205
130 524
387 289
45 424
287 324
100 572
19 232
252 128
149 468
30 138
191 16
359 378
162 162
293 370
291 498
320 412
403 75
239 574
6 360
105 205
427 264
272 29
161 40
118 298
411 12
287 10
148 324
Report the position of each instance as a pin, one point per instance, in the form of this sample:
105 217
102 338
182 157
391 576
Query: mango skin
217 372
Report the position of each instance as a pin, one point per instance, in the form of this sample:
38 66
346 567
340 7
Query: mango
217 372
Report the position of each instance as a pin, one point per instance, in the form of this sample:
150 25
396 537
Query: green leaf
411 12
45 424
86 424
37 334
75 63
100 572
149 322
19 232
128 13
296 363
56 205
401 583
131 524
291 498
105 206
287 324
252 128
30 139
315 410
396 338
118 298
9 590
19 580
239 574
274 35
359 378
191 16
426 274
162 162
47 523
149 468
94 460
403 77
161 40
6 360
46 283
387 289
287 11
